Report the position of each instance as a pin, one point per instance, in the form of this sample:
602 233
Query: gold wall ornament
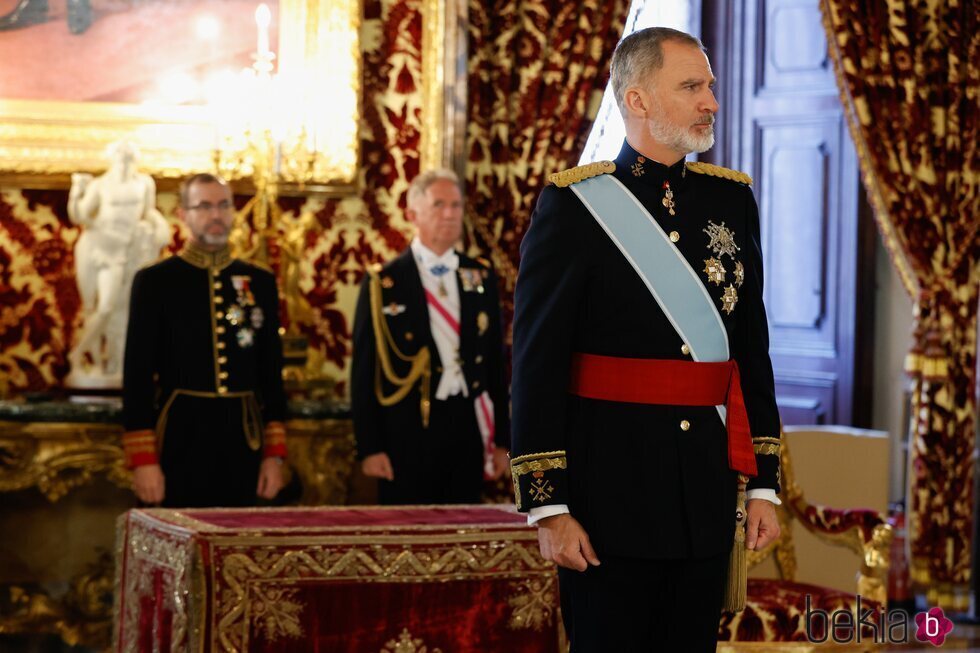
444 42
58 457
43 141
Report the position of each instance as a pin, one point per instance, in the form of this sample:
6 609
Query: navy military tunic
203 375
645 481
443 461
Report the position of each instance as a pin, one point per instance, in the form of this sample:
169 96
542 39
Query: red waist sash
674 383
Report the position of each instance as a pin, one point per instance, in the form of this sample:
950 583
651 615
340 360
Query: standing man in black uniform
203 401
431 412
638 410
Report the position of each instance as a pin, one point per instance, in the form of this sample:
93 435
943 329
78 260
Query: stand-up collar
202 258
632 165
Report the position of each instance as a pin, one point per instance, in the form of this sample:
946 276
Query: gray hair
640 54
416 190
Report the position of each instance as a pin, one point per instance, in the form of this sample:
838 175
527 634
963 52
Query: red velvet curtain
537 71
909 75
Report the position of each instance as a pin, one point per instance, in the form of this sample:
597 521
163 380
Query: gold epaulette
580 173
718 171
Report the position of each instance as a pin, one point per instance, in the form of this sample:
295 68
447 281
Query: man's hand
148 484
762 525
501 463
270 478
563 540
378 465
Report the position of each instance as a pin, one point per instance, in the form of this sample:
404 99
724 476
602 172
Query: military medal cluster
722 243
244 314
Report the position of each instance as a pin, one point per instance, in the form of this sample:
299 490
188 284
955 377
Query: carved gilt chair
774 618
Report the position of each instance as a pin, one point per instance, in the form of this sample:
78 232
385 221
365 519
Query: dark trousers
644 606
440 464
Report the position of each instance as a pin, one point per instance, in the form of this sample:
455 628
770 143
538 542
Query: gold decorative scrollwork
534 603
378 558
276 612
57 457
407 644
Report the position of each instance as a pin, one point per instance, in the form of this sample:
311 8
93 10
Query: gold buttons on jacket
219 329
222 390
674 236
218 299
685 425
478 359
476 384
217 285
221 345
223 375
219 315
685 349
222 360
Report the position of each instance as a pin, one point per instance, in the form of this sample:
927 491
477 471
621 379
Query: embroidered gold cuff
539 489
766 446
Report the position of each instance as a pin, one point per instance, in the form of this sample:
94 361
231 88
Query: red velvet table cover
447 579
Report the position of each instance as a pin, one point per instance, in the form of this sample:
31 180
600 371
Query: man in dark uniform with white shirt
637 410
203 400
431 412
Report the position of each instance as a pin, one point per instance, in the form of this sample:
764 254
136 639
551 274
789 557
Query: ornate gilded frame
444 47
42 142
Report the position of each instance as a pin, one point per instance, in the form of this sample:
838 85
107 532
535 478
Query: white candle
262 18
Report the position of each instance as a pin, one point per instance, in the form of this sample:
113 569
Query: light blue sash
667 275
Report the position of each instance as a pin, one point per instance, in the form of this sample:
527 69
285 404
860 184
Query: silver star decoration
722 239
739 274
729 299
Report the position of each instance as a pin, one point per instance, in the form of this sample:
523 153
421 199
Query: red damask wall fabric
909 74
40 308
537 71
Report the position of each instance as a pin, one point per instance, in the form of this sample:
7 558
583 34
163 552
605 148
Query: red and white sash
441 318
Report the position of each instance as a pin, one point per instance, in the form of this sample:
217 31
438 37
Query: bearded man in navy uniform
431 411
203 400
643 394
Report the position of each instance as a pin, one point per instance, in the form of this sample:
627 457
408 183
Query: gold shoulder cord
384 342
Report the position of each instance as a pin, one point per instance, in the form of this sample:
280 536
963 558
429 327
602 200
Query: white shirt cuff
535 515
760 493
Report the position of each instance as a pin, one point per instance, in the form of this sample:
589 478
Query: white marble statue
122 231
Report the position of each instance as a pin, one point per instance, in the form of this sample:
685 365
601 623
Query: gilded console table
63 484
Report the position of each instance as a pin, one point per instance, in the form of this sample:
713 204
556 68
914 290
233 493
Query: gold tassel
738 568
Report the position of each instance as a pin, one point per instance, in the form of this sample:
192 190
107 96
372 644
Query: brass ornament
729 299
541 489
482 322
722 240
715 270
407 644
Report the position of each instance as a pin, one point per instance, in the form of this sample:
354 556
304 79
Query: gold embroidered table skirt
460 579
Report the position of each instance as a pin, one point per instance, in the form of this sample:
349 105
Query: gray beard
679 139
214 240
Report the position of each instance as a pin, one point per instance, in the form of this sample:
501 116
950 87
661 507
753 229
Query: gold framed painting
171 76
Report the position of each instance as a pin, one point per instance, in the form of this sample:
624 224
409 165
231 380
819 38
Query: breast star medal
258 317
234 315
246 338
729 299
715 271
739 274
722 240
